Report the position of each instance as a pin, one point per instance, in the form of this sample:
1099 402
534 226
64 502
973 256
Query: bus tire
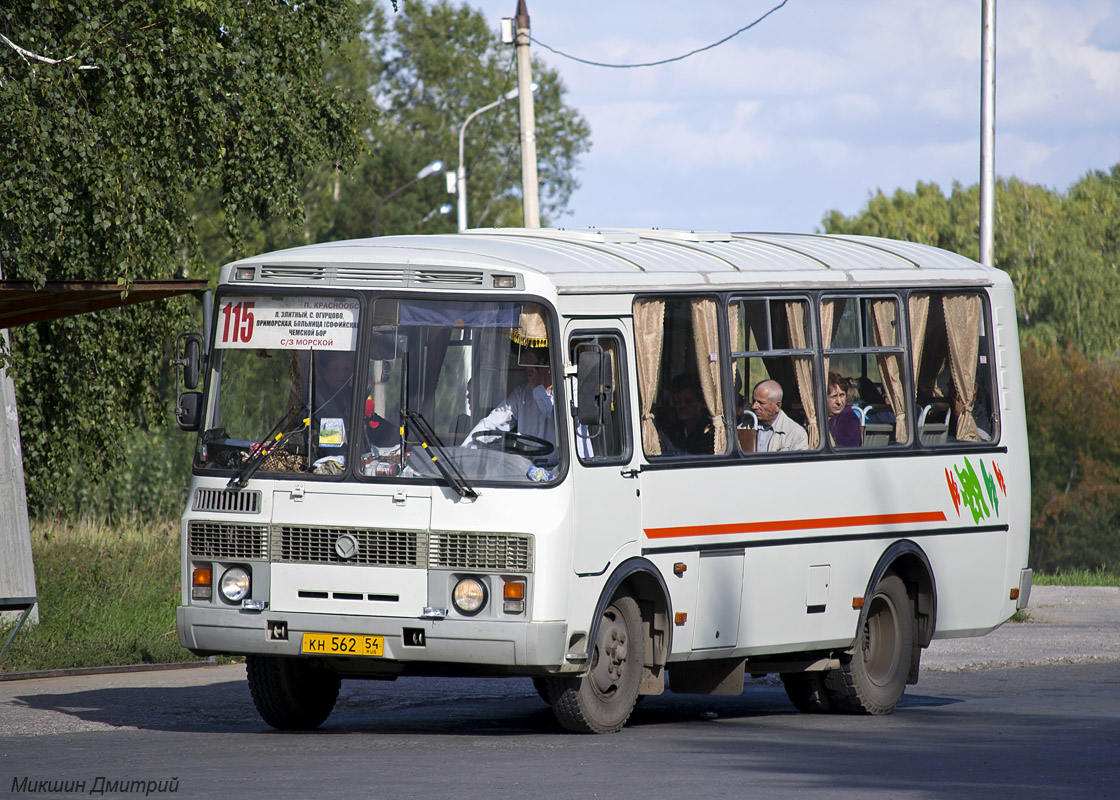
872 675
602 699
291 694
807 692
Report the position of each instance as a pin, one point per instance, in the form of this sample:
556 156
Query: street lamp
443 210
461 172
431 169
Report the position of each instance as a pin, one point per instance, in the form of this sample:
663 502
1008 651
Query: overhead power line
725 39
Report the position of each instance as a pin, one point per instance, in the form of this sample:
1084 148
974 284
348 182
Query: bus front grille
243 502
486 551
312 545
225 540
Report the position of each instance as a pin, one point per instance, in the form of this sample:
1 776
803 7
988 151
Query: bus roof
617 260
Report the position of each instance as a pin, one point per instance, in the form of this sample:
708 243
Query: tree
438 63
428 67
119 113
1073 420
1061 251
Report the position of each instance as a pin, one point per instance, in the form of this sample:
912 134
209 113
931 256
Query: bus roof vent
291 272
372 274
449 277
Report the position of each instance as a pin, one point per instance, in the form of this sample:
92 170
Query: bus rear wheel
602 699
291 694
872 675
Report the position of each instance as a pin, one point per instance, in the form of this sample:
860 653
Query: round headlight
235 584
469 596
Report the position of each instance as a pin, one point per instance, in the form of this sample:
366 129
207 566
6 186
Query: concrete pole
17 571
530 202
987 132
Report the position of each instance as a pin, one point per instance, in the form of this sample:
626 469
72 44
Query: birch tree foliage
118 113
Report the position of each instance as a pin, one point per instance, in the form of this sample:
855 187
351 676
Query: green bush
1073 420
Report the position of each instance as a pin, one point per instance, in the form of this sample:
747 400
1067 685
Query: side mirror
189 349
595 373
188 412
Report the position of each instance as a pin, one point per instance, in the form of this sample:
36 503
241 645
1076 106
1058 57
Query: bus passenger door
604 472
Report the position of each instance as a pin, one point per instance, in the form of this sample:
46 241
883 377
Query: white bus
608 460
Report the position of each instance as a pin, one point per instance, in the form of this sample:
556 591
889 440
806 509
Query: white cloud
824 102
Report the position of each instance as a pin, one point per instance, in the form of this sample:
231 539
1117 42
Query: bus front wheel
602 699
291 694
872 675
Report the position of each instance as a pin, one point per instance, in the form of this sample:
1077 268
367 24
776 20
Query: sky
821 104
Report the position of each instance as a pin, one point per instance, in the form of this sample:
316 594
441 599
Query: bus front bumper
461 642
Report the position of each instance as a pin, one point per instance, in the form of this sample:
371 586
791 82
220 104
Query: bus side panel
1013 423
812 532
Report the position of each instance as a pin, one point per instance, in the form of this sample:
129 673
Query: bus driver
529 407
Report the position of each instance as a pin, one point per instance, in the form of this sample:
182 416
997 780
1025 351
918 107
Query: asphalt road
1028 711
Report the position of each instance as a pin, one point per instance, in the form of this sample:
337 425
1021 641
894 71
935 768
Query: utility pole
987 131
530 202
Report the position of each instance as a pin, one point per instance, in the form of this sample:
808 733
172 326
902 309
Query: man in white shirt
776 431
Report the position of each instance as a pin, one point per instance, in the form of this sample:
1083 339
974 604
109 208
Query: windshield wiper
271 441
439 456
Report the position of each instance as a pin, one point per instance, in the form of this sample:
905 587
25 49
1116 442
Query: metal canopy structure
22 303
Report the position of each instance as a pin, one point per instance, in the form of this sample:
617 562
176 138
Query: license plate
343 644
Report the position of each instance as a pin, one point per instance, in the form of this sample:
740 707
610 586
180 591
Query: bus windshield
468 382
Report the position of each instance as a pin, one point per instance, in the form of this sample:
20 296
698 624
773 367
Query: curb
71 672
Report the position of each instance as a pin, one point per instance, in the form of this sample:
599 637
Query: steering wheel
513 442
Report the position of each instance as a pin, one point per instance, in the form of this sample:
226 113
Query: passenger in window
877 403
689 429
843 424
776 431
529 407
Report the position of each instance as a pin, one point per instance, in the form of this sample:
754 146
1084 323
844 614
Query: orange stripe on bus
795 524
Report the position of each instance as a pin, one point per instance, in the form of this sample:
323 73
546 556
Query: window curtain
738 381
962 323
649 331
831 313
705 336
803 368
884 315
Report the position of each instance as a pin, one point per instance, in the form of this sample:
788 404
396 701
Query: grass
1077 577
107 597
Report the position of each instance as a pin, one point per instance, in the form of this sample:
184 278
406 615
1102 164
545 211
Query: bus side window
952 368
680 378
772 343
862 344
609 441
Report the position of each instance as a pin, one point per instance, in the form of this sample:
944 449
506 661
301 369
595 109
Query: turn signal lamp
202 583
1015 593
681 617
513 597
857 602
